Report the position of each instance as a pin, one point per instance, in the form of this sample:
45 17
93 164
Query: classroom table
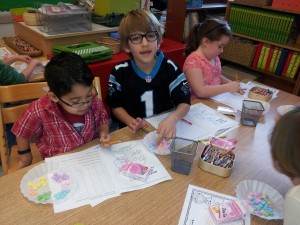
161 203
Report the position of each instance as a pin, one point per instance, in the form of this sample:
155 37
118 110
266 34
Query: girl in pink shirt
202 66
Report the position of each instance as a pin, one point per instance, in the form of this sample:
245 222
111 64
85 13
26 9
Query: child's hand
136 124
36 62
166 130
233 86
24 58
104 138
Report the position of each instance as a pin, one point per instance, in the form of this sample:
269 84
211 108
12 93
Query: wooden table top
161 203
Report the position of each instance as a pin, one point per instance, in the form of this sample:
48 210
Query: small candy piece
44 197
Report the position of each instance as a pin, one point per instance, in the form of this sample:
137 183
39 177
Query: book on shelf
261 56
277 60
266 68
292 63
265 58
273 59
257 54
287 62
281 62
295 68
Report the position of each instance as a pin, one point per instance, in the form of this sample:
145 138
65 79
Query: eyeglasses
81 104
137 38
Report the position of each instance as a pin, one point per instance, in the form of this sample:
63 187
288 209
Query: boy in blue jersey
148 83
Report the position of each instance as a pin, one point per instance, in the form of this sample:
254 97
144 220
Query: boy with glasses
148 83
70 114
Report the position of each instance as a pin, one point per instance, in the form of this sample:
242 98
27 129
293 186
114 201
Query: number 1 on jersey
147 97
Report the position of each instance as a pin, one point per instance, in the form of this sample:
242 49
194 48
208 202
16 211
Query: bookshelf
277 81
177 11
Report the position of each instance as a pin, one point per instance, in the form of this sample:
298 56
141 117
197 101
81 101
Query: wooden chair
13 94
97 85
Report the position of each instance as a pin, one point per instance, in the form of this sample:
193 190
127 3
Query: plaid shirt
54 135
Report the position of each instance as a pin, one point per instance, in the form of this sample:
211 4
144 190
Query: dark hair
138 20
285 142
212 29
64 71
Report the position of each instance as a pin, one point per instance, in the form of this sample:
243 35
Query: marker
186 121
113 142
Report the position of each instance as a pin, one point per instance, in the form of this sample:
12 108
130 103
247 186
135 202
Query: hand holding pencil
105 138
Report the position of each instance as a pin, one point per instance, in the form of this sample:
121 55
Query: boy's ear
127 50
52 96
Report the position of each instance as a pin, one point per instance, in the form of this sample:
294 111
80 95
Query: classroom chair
97 85
19 93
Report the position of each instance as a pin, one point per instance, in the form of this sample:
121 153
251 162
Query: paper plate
44 184
247 186
150 143
283 109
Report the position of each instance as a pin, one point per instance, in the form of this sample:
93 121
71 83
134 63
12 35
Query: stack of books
267 25
276 60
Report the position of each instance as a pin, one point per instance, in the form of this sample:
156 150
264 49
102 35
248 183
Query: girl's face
212 49
143 47
78 101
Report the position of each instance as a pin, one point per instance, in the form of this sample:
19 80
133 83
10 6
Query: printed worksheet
235 100
196 203
97 174
201 122
93 180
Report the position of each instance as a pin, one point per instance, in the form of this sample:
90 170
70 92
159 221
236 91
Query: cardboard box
293 5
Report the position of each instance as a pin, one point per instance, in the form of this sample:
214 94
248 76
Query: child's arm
28 70
14 58
26 158
167 128
104 135
196 82
132 123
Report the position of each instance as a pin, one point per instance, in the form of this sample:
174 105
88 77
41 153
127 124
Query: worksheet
97 173
200 123
235 100
196 203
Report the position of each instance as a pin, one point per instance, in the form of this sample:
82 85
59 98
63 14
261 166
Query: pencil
113 142
186 121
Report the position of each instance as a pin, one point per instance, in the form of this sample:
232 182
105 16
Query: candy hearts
260 204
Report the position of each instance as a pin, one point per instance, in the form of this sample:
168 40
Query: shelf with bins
278 38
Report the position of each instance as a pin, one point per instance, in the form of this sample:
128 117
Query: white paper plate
247 186
283 109
57 191
150 143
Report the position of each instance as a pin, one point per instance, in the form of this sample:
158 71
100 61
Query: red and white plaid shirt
54 135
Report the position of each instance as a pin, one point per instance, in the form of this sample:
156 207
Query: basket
22 47
239 52
30 19
112 43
